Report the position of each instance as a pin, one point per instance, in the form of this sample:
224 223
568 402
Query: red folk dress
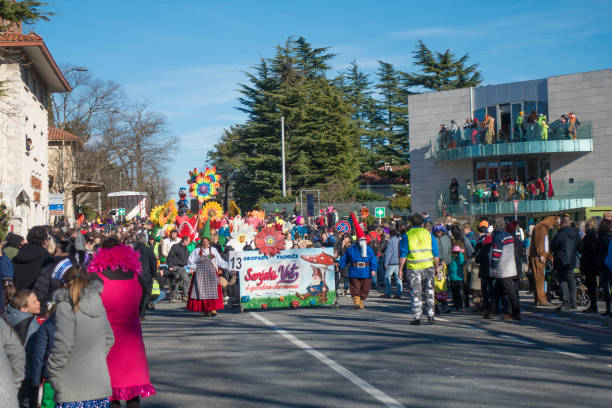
205 293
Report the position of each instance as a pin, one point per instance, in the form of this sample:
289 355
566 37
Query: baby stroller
582 297
551 283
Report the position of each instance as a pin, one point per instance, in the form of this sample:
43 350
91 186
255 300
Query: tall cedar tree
442 71
24 11
391 121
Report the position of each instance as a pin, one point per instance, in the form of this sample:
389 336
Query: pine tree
441 71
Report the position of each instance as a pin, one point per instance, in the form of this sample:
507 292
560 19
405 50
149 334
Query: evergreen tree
24 11
441 71
391 121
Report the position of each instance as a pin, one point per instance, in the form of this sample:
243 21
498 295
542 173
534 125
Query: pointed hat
358 229
205 233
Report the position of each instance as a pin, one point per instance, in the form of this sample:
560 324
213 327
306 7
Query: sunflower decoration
241 235
155 213
211 211
269 241
164 214
204 185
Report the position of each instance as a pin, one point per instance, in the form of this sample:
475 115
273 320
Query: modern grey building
505 161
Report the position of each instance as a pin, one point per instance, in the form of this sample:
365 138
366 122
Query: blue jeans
393 270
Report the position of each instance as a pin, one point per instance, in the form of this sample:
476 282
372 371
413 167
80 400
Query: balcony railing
472 142
483 199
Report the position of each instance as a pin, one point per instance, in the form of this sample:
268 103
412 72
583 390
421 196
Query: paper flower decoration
164 214
236 222
245 299
211 211
264 305
234 209
295 304
282 298
313 302
204 185
241 235
269 241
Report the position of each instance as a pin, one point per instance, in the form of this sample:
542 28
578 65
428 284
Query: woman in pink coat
119 267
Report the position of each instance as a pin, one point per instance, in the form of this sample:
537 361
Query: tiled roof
56 134
14 37
382 176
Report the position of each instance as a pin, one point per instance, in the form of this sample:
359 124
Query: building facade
28 74
540 146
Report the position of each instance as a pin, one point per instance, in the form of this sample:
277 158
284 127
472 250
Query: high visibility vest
155 290
419 254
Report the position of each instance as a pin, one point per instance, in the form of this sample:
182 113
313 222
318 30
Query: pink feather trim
128 393
120 257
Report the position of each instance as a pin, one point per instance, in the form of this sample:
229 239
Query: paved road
373 358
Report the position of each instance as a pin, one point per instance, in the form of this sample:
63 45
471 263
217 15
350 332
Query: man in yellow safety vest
418 250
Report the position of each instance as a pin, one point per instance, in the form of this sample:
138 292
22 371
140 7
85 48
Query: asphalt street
346 358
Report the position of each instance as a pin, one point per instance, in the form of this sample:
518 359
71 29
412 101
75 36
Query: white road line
441 319
367 387
610 365
567 353
503 336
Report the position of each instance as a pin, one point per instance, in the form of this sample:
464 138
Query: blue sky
186 57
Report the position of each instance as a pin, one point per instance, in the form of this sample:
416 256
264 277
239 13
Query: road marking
567 353
503 336
364 385
441 319
610 365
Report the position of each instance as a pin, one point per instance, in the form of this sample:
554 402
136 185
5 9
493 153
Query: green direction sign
120 211
379 212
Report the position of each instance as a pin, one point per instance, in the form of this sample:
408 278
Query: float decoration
164 214
187 227
233 209
295 304
204 185
211 211
241 235
269 241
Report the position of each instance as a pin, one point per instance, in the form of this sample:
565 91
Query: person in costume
489 124
205 292
543 127
362 263
572 126
539 253
519 126
183 203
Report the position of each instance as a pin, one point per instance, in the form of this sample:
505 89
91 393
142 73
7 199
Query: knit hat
358 229
484 223
60 269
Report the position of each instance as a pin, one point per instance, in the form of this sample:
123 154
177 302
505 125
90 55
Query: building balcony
471 143
567 196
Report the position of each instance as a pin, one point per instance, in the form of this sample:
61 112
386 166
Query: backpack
22 328
608 260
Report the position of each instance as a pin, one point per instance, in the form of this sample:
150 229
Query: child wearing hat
455 277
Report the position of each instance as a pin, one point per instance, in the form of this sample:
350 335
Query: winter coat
77 363
502 264
455 269
28 264
45 285
12 365
16 316
392 252
178 256
147 260
588 254
41 350
564 247
481 256
519 251
603 241
445 245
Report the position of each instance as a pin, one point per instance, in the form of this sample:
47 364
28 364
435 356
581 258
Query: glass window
521 170
543 108
480 114
481 173
544 165
529 106
516 133
506 170
493 171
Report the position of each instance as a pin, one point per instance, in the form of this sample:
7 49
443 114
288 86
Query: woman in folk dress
205 292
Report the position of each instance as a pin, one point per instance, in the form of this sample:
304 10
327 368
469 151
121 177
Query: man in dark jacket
564 246
13 243
482 258
177 260
31 257
149 268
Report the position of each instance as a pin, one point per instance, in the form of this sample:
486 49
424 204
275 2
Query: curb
577 316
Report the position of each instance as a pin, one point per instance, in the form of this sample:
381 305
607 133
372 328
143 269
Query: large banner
293 278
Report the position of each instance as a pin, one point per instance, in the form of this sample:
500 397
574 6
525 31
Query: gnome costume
361 260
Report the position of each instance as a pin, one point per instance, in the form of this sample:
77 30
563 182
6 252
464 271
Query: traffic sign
120 211
379 212
343 226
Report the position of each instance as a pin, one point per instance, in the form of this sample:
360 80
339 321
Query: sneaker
431 320
417 322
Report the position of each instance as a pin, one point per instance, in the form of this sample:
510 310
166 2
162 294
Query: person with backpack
77 366
21 314
12 365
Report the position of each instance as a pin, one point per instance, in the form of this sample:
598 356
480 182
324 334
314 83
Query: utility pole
283 154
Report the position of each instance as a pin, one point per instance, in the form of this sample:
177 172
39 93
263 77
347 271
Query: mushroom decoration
320 290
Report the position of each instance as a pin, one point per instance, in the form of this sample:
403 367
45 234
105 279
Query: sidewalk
527 303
